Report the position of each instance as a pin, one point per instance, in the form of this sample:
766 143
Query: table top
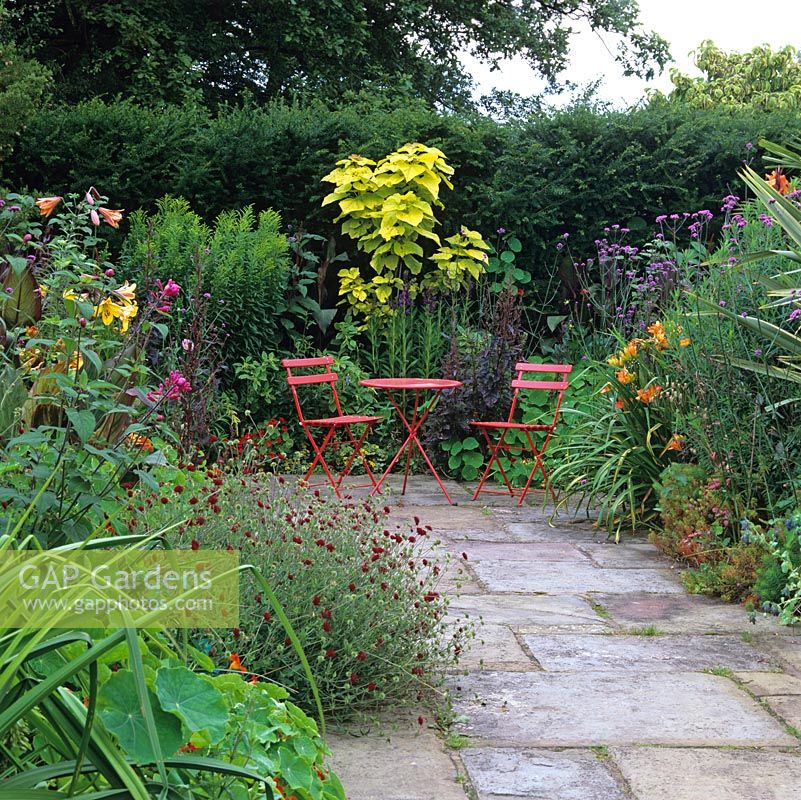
410 383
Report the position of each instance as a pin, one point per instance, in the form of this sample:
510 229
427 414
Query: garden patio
365 438
593 675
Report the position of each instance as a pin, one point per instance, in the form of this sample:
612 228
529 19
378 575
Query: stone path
594 676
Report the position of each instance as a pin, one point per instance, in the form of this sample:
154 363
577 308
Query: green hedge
575 170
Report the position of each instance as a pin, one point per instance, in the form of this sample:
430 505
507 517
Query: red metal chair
328 426
500 447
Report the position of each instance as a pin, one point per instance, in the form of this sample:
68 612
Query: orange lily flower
112 216
48 204
139 441
778 181
624 376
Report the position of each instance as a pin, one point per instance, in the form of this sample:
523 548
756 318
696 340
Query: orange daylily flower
620 404
778 180
624 376
649 393
47 205
112 216
657 331
676 442
685 342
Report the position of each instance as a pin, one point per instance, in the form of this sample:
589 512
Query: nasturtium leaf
198 704
514 244
119 709
297 772
507 256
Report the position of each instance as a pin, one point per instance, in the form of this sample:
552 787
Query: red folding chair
328 426
500 447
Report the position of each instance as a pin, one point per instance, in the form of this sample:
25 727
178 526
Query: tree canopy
224 50
761 78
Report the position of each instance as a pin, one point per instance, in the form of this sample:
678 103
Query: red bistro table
413 425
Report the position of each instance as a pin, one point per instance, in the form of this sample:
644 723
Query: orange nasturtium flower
47 205
649 393
778 180
112 216
235 663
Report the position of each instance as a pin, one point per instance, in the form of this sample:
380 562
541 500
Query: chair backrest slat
320 361
524 369
323 377
553 386
326 376
524 366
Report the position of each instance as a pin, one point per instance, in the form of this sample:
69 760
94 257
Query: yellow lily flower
127 292
108 311
127 311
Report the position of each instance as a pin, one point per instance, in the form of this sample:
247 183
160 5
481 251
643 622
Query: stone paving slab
556 531
401 766
447 521
496 647
674 612
788 708
636 555
539 775
523 612
695 774
580 578
785 646
571 653
766 684
543 709
523 553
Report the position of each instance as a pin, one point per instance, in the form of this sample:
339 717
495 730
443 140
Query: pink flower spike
94 217
172 289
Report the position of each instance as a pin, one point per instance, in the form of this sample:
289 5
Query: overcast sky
731 24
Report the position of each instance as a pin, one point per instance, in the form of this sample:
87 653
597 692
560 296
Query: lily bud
95 219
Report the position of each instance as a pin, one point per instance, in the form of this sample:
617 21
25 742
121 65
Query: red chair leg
538 465
357 451
494 450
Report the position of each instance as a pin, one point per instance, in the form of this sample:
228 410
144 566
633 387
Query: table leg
413 427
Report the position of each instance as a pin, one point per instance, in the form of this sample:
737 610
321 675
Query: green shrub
540 177
241 260
695 515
